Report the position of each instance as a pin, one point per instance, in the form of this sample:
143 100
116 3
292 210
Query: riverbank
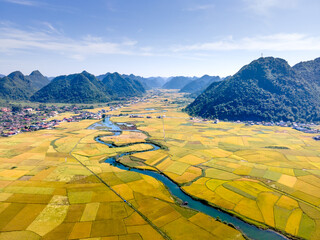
249 230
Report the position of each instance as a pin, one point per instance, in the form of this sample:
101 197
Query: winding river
247 229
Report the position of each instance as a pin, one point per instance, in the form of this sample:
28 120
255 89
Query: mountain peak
265 67
36 73
16 74
119 85
16 87
88 75
117 74
270 60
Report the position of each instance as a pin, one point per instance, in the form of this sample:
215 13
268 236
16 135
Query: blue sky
154 37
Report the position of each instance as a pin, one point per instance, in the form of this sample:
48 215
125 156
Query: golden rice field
269 176
51 188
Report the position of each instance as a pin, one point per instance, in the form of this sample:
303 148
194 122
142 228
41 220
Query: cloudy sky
154 37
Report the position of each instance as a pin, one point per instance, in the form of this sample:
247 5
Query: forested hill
200 84
147 83
86 88
178 82
309 70
118 87
266 89
37 80
15 86
75 88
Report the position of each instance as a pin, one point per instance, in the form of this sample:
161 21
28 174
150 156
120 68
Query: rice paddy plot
242 169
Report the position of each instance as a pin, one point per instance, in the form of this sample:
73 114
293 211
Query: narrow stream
247 229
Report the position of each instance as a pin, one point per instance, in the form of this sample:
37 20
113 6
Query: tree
16 108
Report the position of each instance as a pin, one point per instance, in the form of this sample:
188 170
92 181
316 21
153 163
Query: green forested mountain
75 88
309 70
37 80
15 87
266 89
178 82
119 87
86 88
94 80
200 84
147 83
142 80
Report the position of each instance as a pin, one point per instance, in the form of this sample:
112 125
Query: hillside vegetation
15 86
266 89
75 88
117 86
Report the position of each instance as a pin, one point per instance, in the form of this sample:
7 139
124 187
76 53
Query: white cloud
14 40
264 7
50 27
23 2
48 40
43 4
276 42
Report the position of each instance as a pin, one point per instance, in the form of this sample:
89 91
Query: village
16 120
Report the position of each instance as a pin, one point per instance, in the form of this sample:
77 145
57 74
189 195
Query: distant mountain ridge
86 88
17 86
148 83
37 80
74 88
178 82
267 89
118 86
200 84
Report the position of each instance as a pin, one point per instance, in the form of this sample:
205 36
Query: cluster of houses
28 119
140 116
69 108
135 116
25 120
85 115
302 127
17 119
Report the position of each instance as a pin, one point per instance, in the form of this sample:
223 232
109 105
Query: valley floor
55 186
267 175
